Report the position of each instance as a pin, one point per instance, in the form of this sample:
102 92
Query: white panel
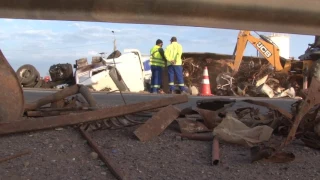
283 43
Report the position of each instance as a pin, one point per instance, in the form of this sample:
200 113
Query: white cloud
93 53
38 34
8 20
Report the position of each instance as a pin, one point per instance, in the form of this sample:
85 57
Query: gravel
64 154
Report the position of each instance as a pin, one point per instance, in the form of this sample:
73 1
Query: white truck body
133 68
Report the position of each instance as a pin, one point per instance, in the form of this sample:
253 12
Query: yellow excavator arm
264 45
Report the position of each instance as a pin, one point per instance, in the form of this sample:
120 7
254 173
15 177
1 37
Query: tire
38 84
39 81
31 85
27 74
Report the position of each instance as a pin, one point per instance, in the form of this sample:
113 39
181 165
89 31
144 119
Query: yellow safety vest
155 57
173 52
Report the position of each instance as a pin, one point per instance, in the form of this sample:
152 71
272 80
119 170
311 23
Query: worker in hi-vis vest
173 54
157 62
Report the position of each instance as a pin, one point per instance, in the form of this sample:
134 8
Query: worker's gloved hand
173 62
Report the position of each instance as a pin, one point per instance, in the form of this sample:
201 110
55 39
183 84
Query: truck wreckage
117 72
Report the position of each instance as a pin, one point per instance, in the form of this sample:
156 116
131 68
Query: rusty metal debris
11 96
72 90
212 118
157 124
100 114
215 104
196 136
311 140
271 106
117 122
114 169
312 99
270 154
14 156
191 126
215 151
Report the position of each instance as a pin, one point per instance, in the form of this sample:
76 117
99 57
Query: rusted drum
11 95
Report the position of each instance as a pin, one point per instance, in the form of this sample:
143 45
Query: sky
44 43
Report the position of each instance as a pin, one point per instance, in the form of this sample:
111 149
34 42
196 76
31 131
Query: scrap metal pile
253 72
211 120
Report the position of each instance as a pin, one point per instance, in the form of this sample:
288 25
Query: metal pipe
215 151
72 119
117 172
289 16
72 90
49 113
85 92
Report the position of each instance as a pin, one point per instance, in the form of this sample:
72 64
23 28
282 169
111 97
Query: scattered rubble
255 77
211 120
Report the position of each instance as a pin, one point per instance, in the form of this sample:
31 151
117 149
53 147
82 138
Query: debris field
68 135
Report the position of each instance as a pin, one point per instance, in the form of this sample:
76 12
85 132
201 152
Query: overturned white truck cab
129 71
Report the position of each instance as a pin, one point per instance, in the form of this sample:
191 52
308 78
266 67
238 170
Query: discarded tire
30 85
38 84
27 74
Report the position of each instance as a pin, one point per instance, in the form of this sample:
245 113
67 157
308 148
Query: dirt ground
64 154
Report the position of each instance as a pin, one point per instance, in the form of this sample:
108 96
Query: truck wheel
27 74
31 85
38 84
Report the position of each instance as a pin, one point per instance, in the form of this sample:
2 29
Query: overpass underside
289 16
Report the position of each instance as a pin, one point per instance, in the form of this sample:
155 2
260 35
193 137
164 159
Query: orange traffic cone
205 89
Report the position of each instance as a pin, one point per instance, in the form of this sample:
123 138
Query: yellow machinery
299 71
271 53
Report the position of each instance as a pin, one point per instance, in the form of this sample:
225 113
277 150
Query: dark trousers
156 78
176 70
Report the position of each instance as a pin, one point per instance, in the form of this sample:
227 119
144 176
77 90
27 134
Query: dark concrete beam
290 16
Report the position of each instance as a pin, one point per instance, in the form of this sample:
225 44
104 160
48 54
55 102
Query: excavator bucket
11 95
